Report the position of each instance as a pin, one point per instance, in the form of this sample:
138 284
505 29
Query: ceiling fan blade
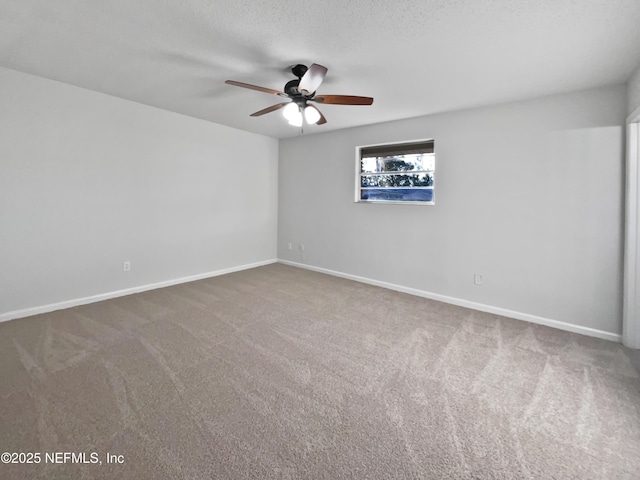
270 109
343 100
322 120
255 87
311 80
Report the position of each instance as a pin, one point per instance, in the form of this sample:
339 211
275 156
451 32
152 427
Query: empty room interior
320 240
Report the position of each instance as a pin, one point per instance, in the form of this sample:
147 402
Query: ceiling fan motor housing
291 88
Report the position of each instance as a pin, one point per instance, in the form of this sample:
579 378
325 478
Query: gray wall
528 194
633 95
88 181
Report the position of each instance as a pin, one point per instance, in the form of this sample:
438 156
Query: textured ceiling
414 57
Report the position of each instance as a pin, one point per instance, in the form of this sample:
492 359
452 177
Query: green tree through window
396 173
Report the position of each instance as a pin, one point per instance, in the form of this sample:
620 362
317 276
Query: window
396 173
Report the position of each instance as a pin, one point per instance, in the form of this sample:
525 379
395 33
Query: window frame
406 144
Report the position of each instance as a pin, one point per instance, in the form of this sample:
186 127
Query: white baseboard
27 312
569 327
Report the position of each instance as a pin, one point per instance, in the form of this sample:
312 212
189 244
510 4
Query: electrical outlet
126 266
289 246
477 279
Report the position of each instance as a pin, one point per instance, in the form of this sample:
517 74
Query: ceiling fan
300 92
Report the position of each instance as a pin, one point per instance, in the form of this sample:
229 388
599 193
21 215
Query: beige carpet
279 372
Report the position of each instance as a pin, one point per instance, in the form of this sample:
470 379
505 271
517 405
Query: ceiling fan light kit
294 115
291 112
301 91
311 114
